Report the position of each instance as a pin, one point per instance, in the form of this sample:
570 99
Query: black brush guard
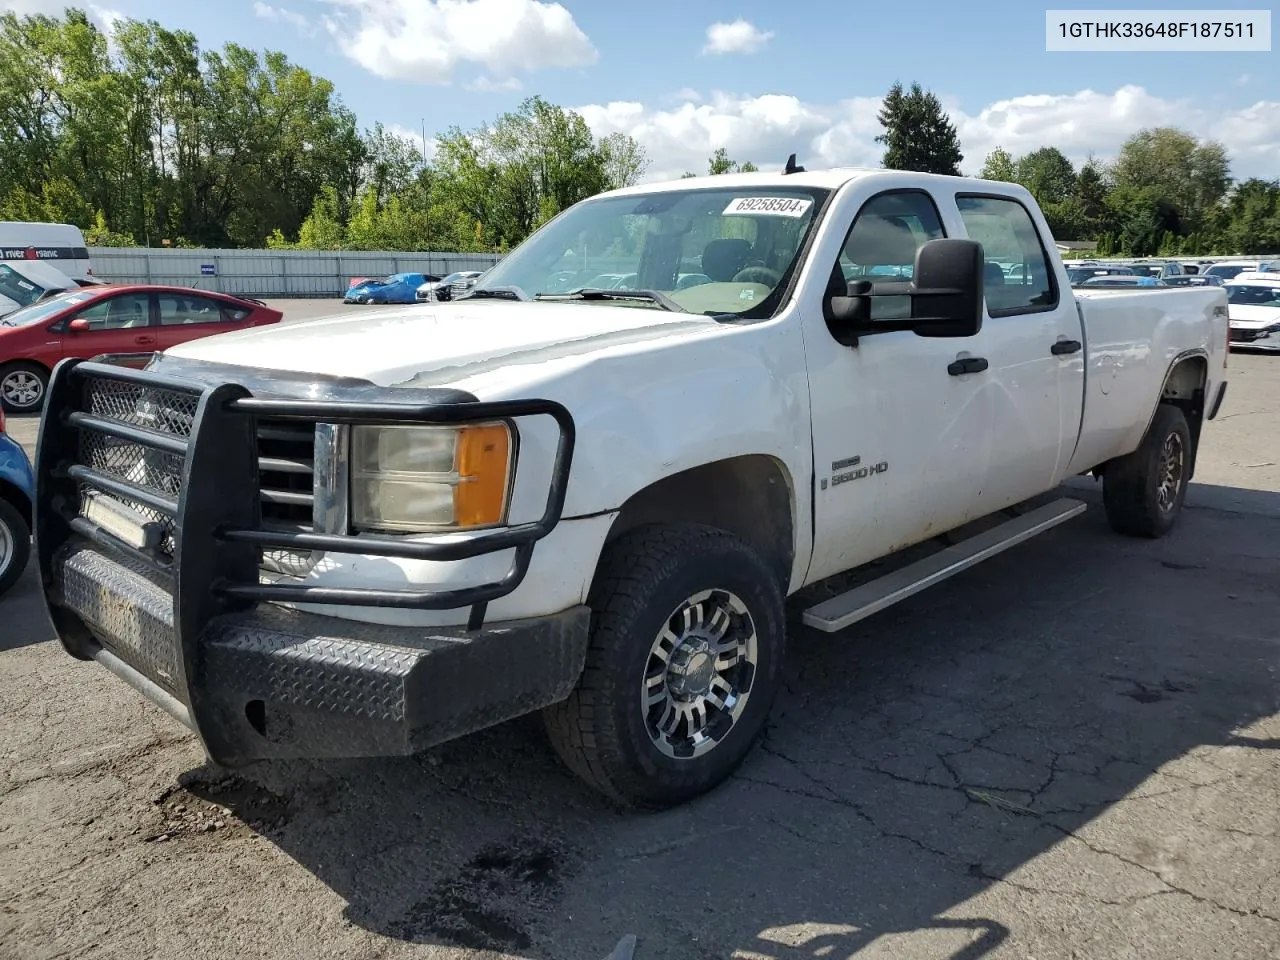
194 628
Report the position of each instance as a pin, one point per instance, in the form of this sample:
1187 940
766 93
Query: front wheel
687 643
1143 492
15 545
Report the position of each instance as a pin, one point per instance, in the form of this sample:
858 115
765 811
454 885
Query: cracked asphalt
1071 751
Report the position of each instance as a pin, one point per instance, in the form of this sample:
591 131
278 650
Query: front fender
15 469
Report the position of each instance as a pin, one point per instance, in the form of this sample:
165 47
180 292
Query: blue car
17 494
397 288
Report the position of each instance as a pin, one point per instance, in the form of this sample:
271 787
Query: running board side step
862 601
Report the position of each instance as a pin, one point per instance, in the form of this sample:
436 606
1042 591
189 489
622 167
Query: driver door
902 438
117 324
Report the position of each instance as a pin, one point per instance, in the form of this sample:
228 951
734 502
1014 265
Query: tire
604 732
23 387
15 545
1143 492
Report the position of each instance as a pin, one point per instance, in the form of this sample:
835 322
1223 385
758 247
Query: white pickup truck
587 487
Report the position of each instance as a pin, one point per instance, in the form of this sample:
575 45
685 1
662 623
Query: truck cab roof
831 178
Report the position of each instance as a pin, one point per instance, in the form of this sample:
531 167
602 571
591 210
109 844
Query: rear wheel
687 643
15 545
1143 492
22 387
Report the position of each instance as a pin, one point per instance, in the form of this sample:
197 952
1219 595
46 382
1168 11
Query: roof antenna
791 166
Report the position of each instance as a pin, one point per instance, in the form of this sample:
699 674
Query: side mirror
946 292
78 325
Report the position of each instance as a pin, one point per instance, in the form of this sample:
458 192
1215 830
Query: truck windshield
707 250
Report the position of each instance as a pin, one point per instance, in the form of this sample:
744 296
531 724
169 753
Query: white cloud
414 139
425 40
762 129
104 17
298 21
1252 137
1075 123
489 85
741 36
766 128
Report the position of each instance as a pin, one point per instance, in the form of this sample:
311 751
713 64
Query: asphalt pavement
1072 750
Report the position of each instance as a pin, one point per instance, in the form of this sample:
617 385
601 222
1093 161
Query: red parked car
117 319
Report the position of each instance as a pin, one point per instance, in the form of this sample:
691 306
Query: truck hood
1250 317
439 343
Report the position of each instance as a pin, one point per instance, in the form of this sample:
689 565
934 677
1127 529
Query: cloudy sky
758 77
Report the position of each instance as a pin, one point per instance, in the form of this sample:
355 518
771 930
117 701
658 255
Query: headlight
421 479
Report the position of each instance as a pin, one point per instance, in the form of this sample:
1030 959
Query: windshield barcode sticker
769 206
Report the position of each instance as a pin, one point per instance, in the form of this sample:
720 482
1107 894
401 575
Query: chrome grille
286 480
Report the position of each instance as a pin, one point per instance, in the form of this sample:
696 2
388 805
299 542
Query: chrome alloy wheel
22 389
699 674
1172 464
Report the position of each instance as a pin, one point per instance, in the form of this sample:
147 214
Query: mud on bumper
176 606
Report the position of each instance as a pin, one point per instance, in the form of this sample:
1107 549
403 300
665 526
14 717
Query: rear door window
1007 233
185 310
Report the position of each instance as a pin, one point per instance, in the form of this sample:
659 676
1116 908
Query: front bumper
275 683
1263 338
183 616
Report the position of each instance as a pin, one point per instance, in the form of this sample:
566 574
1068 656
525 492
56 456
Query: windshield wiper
494 293
595 293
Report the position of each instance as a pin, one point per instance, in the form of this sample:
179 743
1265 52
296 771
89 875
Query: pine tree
918 133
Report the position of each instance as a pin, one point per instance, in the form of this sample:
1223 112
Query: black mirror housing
948 288
946 292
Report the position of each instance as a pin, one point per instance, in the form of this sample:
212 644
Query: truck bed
1131 340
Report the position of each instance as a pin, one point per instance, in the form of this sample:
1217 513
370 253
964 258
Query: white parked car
1229 269
372 534
1253 301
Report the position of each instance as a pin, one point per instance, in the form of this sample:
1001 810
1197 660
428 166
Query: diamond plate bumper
271 682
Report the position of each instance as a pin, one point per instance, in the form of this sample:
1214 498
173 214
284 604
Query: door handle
958 368
144 339
1063 347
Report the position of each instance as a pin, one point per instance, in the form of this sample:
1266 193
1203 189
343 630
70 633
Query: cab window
1009 236
882 242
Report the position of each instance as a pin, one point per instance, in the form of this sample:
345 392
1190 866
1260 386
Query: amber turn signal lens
483 465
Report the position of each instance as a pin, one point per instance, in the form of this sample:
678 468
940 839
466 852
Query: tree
1048 174
625 161
1191 176
719 163
918 134
1091 195
1142 217
1254 208
998 166
323 229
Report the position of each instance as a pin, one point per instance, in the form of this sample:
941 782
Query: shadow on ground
969 737
23 620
